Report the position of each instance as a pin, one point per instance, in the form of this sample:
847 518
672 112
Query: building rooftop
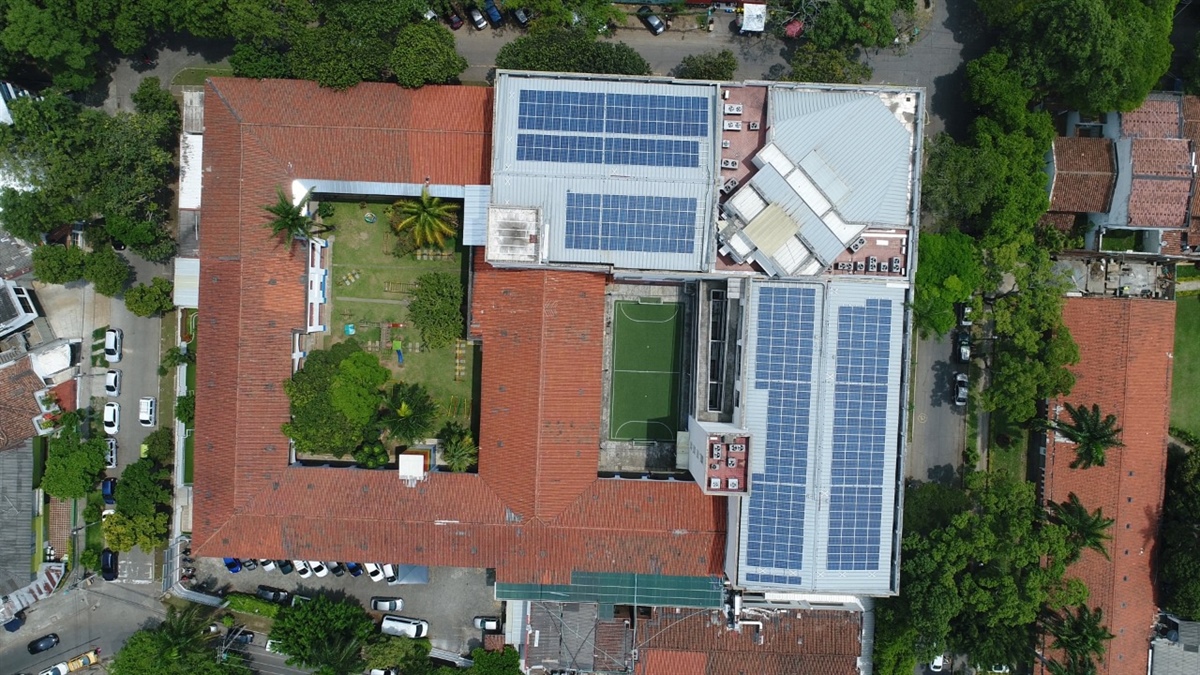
1084 174
1125 367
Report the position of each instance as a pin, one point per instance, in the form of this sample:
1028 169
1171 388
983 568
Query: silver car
112 383
960 389
387 604
110 453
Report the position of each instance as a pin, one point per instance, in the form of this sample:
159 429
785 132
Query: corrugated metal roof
191 170
545 185
819 238
193 110
475 214
870 167
820 390
187 282
16 494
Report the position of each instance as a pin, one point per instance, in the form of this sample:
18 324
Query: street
938 426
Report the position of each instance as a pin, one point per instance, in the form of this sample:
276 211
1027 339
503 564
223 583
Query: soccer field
645 371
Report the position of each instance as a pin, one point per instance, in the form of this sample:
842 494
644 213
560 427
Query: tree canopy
570 50
1091 432
427 219
951 270
324 634
318 425
408 412
813 64
58 264
715 65
424 54
156 297
72 464
180 645
1180 536
436 308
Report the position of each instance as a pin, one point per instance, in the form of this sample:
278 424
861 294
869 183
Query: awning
187 282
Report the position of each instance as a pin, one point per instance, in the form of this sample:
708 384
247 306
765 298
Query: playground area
370 291
646 341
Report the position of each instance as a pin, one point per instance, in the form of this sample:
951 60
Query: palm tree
1073 667
459 451
408 412
182 632
428 219
1091 434
1085 529
337 657
290 219
1081 635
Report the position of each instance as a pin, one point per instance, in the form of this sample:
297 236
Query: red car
454 21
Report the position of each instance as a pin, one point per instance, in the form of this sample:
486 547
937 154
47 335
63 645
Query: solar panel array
630 223
784 368
637 118
600 150
859 435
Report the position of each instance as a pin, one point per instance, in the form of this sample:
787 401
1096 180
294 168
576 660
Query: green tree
107 271
459 451
506 662
144 489
1092 434
58 264
813 64
408 412
122 532
156 297
951 271
405 654
1180 536
336 57
1086 529
371 455
354 391
427 218
185 409
1081 634
713 65
436 308
316 425
424 54
290 219
180 645
72 464
324 634
570 50
183 631
176 356
151 99
259 60
160 446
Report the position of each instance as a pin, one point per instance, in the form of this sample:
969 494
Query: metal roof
191 170
187 282
544 184
16 510
825 417
614 588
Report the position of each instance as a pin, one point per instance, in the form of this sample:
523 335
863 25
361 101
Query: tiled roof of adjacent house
1084 174
1159 116
1125 367
1162 182
690 641
18 406
536 511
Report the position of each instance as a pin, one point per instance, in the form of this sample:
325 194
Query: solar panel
783 367
859 435
598 150
593 112
630 223
553 148
561 111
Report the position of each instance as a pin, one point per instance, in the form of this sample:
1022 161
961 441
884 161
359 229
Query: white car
402 626
389 573
113 337
57 669
939 662
110 453
112 383
387 604
112 418
487 623
266 565
373 571
318 568
302 569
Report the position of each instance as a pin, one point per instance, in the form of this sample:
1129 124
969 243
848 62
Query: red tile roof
1125 367
1162 182
1160 116
536 510
18 406
1084 175
811 642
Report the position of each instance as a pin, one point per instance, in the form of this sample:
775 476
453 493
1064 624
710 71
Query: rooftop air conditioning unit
733 484
858 244
725 143
714 483
754 126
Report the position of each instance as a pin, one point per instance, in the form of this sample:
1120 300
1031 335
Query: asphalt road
939 427
102 616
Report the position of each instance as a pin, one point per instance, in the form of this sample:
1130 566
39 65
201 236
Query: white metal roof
754 17
187 282
191 169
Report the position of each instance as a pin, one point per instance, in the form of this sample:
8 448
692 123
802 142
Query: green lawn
1185 271
645 371
39 538
1185 399
1122 240
196 76
363 267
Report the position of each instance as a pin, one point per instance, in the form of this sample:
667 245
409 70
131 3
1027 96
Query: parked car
960 389
523 17
318 568
285 566
272 594
244 638
354 569
112 418
965 315
112 383
44 643
487 623
939 662
374 572
274 646
999 668
336 568
387 604
651 20
108 564
148 411
402 626
249 564
964 346
389 573
493 13
56 669
113 339
454 21
233 565
302 569
477 19
110 453
267 565
86 660
108 490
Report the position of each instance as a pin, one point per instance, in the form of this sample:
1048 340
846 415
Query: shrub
244 603
371 456
436 308
185 409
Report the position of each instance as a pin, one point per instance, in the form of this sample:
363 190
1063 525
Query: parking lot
449 602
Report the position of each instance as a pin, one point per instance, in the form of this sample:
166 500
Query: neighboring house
1176 649
1130 172
1125 367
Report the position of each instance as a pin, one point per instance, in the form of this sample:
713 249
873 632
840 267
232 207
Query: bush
244 603
185 409
58 264
714 65
436 308
90 558
160 445
371 456
150 299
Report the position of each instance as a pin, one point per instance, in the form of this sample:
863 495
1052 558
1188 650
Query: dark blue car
233 565
493 12
354 569
108 490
